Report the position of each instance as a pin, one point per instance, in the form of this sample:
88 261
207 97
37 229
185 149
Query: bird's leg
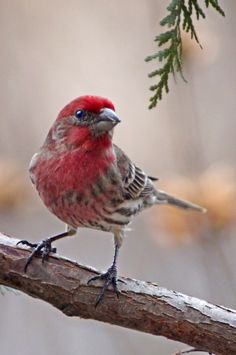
44 247
110 276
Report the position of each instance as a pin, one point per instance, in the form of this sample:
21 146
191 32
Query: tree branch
142 306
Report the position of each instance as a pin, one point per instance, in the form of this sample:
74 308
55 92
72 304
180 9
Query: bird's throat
83 138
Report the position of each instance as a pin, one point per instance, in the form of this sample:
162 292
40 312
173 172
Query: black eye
79 114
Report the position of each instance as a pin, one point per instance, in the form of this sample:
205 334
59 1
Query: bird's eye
79 114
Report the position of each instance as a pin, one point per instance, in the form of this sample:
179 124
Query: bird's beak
107 119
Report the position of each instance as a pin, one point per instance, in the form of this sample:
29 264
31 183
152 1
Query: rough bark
142 306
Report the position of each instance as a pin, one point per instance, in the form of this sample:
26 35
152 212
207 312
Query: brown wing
135 182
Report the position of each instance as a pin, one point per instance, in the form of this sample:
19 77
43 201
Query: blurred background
53 51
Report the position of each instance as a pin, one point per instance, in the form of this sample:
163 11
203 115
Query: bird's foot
43 248
110 278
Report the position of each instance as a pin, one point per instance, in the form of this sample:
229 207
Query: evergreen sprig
180 13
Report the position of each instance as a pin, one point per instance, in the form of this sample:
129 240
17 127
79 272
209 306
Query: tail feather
163 197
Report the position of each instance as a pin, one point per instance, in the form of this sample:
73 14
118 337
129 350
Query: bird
87 181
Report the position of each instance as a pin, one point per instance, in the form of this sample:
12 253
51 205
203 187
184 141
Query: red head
89 103
85 119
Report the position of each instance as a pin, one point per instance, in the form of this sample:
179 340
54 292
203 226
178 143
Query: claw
44 248
122 281
25 242
110 278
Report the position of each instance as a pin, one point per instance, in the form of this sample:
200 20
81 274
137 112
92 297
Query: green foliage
180 13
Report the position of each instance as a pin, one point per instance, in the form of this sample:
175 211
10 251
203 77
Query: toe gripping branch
43 248
110 278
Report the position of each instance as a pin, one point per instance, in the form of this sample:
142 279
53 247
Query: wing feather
136 183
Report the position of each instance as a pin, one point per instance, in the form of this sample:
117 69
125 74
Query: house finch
87 181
